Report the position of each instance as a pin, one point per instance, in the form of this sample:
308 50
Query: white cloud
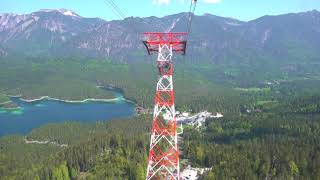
161 2
212 1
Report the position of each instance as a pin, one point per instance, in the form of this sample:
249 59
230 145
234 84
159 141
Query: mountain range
63 33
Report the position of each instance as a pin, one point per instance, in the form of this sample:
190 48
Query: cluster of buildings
196 120
190 173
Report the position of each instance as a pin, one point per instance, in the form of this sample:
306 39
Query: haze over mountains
63 33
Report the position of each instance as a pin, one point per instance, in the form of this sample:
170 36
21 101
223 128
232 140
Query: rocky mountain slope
63 33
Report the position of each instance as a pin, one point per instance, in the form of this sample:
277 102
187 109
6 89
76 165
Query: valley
262 76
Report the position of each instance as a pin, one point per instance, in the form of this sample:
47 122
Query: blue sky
239 9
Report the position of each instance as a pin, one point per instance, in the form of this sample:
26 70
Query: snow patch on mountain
70 13
233 23
65 12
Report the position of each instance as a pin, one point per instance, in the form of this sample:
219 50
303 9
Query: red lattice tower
163 162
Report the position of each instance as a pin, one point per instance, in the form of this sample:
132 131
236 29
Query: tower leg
163 162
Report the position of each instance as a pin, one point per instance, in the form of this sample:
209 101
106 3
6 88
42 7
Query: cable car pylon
163 161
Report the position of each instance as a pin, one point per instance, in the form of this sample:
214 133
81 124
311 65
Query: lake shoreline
7 102
109 88
12 108
38 111
113 100
69 101
117 99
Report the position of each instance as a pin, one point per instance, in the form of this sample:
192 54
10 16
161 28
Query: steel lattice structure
163 162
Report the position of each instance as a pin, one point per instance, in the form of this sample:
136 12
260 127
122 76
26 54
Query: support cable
120 13
117 11
193 5
114 11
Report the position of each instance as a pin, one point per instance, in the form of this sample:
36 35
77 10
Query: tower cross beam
176 40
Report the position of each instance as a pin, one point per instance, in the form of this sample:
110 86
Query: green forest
282 144
270 127
112 150
76 79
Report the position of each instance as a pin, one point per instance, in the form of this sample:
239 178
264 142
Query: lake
34 114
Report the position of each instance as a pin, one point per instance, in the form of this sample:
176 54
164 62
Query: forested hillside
278 144
116 149
76 79
282 144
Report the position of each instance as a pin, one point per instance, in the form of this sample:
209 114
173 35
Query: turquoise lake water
34 114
